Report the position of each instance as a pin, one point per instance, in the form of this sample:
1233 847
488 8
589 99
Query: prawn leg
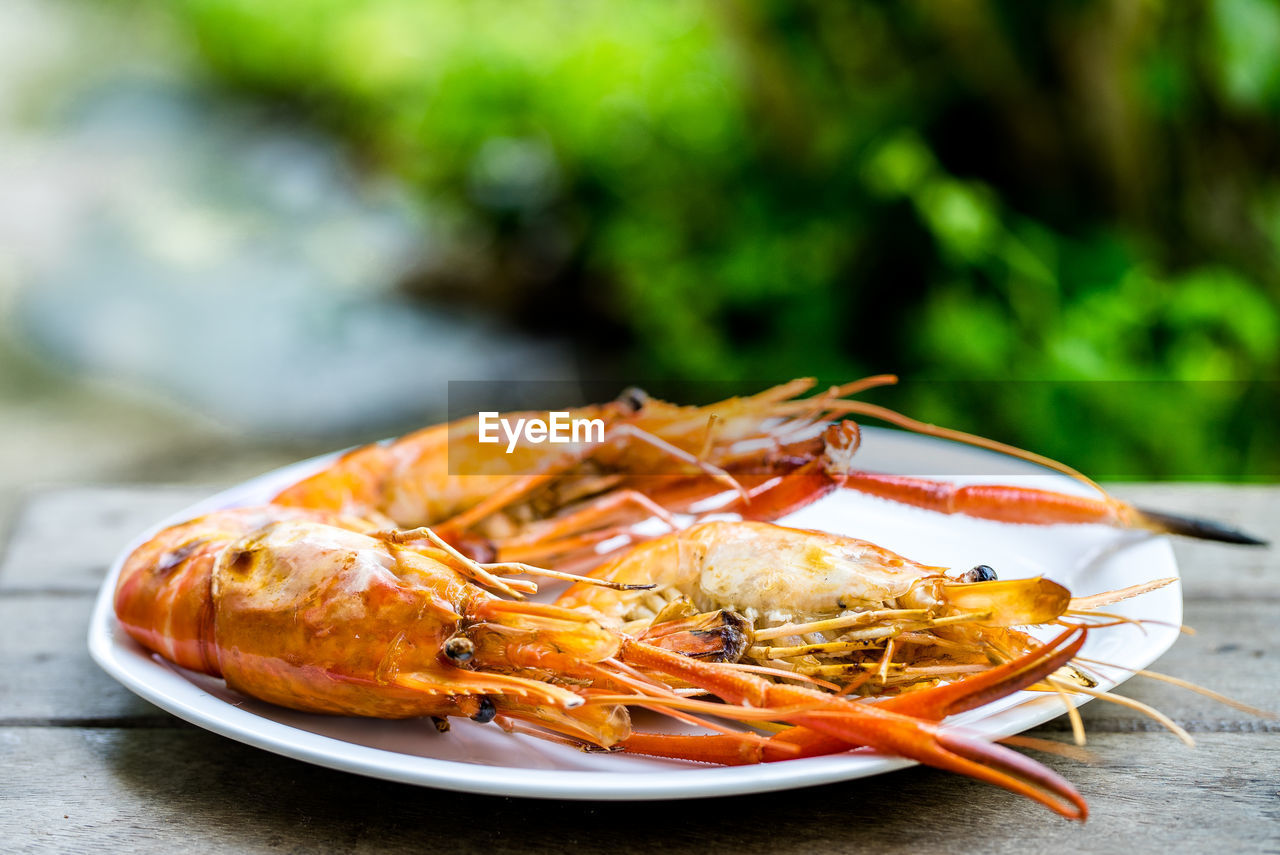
867 724
783 486
455 527
786 494
1009 504
516 489
644 437
580 527
939 702
931 704
722 749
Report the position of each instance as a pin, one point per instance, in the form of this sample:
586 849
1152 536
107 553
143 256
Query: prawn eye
634 398
981 573
486 713
458 649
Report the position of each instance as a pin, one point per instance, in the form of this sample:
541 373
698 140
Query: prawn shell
324 613
434 473
1012 602
323 619
785 572
163 598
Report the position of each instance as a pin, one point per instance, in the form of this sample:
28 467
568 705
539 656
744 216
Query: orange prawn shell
438 472
305 610
729 420
790 574
322 618
434 473
763 562
164 599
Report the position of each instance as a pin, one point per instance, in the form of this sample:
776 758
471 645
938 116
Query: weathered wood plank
64 539
1214 570
157 791
45 669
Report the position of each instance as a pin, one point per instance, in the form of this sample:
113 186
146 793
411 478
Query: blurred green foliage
989 189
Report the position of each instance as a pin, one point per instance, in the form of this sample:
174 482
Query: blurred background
233 233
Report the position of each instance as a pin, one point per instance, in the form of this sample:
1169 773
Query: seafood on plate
657 467
827 606
327 613
391 584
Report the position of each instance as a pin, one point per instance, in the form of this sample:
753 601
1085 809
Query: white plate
483 759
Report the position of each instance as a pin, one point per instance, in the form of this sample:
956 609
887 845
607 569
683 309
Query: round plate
483 759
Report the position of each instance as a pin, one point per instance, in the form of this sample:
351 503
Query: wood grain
64 539
172 790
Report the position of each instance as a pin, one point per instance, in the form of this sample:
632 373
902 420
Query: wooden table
88 767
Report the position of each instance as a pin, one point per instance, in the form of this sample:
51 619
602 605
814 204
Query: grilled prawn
826 606
760 457
329 614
